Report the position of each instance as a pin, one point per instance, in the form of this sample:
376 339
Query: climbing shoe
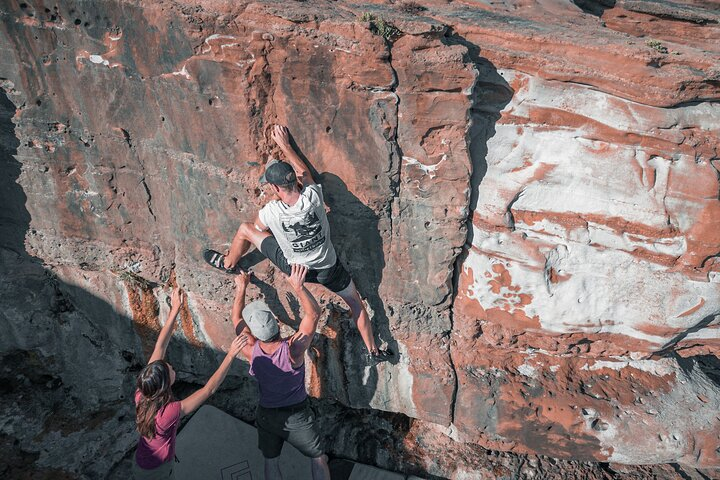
217 260
378 357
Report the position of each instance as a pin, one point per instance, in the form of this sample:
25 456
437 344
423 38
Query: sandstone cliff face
527 195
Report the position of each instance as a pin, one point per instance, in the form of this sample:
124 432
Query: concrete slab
366 472
216 446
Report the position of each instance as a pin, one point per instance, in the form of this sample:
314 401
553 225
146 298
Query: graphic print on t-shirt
304 234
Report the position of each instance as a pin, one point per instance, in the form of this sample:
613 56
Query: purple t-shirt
160 449
280 384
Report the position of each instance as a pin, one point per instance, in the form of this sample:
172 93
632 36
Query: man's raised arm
241 282
281 135
241 328
311 312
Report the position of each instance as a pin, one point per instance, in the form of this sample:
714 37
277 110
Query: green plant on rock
134 279
657 46
386 29
380 27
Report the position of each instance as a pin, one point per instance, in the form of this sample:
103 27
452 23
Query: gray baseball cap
260 320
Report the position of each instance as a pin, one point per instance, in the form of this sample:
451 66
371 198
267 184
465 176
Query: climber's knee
245 230
249 232
351 296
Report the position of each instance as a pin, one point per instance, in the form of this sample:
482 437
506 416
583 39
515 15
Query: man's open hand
297 276
281 136
242 279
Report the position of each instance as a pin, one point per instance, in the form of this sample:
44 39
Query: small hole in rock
77 21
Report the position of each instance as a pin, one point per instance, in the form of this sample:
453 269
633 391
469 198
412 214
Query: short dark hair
289 187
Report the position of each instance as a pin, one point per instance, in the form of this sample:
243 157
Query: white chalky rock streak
606 291
670 428
426 169
183 72
397 380
592 223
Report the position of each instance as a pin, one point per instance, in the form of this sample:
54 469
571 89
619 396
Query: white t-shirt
302 230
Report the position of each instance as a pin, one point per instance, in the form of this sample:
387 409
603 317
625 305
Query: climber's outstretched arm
167 329
281 135
302 339
241 282
191 403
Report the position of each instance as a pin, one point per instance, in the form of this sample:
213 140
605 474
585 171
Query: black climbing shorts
294 424
335 278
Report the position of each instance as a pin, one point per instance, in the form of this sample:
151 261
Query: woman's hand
176 299
237 345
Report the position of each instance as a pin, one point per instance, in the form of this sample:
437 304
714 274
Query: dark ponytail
154 385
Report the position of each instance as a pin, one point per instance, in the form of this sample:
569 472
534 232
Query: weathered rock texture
526 193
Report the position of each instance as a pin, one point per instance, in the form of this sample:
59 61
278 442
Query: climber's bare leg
248 234
359 314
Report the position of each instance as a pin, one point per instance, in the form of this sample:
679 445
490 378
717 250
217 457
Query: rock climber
299 233
278 365
157 412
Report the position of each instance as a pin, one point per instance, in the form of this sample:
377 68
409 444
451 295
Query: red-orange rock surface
525 192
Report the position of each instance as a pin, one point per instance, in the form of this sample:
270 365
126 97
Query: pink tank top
160 449
280 384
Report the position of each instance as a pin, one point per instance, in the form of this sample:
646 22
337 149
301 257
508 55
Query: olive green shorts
294 424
